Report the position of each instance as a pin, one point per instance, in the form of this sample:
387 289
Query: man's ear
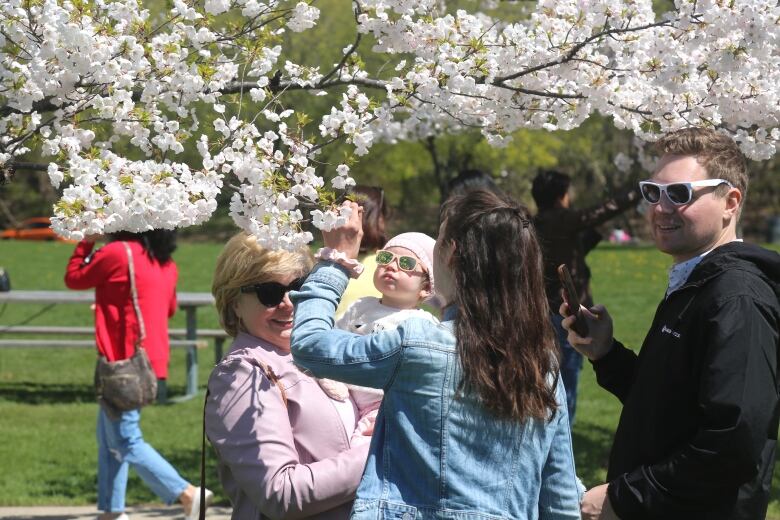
733 203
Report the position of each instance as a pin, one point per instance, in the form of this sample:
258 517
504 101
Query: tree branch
574 50
31 166
347 54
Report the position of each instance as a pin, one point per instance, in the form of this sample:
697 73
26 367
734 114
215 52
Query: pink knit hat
421 245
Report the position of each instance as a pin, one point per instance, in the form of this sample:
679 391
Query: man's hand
596 506
347 237
600 340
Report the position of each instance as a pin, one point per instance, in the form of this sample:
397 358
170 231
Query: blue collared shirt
679 273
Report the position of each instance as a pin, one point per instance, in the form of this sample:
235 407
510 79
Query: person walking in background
566 236
698 430
284 449
473 423
120 441
375 213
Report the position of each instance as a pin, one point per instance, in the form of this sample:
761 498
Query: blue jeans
120 445
571 364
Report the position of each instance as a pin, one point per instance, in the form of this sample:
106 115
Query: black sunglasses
271 294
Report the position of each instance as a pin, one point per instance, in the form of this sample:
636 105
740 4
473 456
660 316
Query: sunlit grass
47 413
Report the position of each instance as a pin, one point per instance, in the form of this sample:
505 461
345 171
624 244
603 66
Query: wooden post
192 351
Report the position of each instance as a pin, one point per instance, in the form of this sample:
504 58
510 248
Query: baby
404 276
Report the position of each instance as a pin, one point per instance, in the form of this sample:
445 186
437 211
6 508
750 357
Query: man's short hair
549 187
718 154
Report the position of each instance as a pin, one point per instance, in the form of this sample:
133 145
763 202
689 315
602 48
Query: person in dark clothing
470 180
567 235
698 430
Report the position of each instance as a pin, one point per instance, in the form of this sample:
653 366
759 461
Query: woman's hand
365 427
347 237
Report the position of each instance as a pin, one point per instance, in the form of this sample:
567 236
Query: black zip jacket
698 430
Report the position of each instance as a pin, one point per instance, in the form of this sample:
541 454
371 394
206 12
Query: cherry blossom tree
111 96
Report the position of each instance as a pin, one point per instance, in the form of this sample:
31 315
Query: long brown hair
505 339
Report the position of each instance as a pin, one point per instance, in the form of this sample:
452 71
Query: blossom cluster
715 66
113 97
110 194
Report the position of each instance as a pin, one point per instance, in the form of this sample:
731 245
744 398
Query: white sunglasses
678 193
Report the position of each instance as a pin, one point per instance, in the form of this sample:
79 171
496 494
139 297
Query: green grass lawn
47 411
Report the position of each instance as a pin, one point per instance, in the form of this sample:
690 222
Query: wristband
354 267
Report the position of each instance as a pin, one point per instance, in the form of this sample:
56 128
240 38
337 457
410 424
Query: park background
47 409
47 406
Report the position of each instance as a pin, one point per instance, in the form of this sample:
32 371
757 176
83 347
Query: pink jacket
278 461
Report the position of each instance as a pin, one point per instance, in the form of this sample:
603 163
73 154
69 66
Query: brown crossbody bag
127 384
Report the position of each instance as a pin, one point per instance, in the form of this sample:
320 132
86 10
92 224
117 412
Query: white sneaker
120 516
195 511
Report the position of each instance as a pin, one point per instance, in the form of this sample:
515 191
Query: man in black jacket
698 430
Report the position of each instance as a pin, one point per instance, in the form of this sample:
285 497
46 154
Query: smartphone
572 300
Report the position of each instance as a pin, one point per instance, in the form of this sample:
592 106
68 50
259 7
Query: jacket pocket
396 511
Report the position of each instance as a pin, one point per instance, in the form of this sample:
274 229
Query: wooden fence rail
190 337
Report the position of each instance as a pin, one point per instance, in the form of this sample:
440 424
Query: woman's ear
449 250
237 316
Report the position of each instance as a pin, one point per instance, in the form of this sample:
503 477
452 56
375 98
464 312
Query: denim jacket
434 454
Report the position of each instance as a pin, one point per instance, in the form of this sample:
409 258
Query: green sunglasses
405 263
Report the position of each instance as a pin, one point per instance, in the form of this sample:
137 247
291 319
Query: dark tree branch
430 145
347 54
31 166
541 93
574 50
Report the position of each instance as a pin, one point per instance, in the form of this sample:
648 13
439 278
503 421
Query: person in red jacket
120 442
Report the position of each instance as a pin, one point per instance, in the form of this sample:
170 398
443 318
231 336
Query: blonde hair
244 262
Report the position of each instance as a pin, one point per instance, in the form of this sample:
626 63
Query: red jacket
116 326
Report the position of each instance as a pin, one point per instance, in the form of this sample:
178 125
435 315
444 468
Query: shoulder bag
130 383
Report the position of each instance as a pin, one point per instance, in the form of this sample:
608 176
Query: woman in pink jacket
284 449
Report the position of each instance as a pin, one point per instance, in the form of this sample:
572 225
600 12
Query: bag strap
134 291
269 373
202 513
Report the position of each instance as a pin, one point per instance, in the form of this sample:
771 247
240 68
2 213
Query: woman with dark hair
473 423
117 328
375 213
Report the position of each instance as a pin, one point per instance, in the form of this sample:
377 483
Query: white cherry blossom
78 86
